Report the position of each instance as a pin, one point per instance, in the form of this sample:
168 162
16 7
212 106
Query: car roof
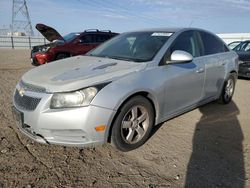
91 31
169 29
172 30
246 41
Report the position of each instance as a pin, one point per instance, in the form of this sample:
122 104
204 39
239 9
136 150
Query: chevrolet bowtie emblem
21 91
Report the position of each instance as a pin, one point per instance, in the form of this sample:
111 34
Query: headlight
73 99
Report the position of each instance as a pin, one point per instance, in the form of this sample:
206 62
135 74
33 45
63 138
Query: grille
30 87
25 102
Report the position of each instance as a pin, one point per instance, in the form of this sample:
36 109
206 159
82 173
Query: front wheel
228 89
133 124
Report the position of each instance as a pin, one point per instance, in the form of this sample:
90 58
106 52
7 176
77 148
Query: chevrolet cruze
120 90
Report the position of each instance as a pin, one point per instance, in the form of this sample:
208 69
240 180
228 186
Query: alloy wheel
229 89
135 124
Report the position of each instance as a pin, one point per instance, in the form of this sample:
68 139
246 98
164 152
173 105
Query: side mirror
179 56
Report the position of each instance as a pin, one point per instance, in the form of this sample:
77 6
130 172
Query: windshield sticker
158 34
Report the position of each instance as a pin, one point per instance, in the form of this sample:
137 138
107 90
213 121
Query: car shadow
155 129
243 78
217 157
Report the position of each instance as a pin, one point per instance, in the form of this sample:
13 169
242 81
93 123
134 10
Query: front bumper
40 58
71 126
244 70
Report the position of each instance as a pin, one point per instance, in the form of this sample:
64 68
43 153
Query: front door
85 44
184 81
184 85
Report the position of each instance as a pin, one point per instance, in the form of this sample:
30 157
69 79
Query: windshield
232 45
70 36
135 46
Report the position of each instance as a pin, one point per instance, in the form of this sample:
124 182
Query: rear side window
211 44
102 37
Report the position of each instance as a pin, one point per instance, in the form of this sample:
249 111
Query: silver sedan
117 92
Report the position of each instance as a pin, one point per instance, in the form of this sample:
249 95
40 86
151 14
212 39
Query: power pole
21 18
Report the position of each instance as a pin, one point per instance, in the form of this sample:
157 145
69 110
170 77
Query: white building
231 37
16 34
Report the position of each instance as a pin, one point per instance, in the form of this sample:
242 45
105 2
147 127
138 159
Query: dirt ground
207 147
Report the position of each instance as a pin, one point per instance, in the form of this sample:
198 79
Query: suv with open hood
70 45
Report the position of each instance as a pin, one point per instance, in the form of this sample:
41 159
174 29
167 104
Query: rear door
215 64
184 81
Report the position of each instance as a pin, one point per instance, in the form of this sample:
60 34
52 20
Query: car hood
48 32
78 72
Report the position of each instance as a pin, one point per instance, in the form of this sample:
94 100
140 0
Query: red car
70 45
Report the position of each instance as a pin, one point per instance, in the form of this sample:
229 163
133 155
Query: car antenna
190 24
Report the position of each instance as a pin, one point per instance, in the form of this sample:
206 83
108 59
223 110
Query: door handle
200 70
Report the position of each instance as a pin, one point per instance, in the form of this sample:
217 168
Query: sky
221 16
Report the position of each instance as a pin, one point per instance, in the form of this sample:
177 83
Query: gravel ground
206 147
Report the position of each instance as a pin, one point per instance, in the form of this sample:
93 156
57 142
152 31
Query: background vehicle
117 92
243 50
72 44
232 45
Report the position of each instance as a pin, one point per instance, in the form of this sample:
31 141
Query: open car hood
48 32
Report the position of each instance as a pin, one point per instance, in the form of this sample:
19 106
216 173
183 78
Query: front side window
87 39
100 38
187 41
134 46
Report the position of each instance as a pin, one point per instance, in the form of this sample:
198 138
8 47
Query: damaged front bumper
69 126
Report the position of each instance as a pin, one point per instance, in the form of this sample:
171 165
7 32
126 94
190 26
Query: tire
228 89
133 124
35 62
62 56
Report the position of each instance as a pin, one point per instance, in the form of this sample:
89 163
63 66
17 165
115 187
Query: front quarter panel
114 94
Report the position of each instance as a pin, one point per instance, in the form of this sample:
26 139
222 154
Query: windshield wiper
120 58
127 59
112 57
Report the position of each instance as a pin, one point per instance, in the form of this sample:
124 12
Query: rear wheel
228 89
133 124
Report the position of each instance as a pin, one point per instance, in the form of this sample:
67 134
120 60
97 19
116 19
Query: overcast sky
222 16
